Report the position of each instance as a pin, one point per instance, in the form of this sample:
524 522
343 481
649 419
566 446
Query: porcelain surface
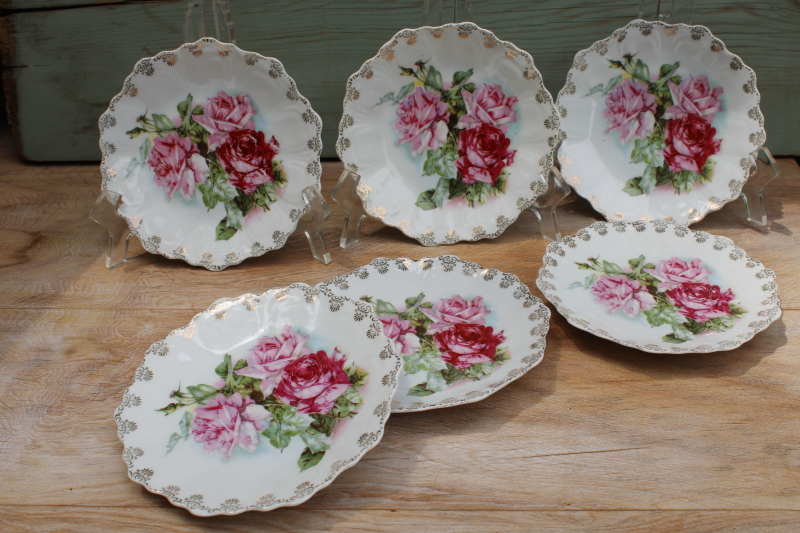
659 287
660 122
210 147
463 331
259 402
449 128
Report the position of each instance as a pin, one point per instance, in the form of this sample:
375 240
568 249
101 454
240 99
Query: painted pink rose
225 423
313 382
464 345
618 293
456 310
630 110
422 120
672 272
178 165
700 301
689 143
401 332
224 114
483 154
247 158
488 105
270 356
694 96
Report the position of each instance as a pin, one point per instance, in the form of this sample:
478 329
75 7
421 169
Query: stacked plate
297 383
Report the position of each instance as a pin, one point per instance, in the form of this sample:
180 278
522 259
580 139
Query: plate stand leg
104 212
432 12
345 193
670 12
544 207
311 223
764 171
194 25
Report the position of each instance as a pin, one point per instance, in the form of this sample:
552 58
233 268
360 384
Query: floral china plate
259 402
449 128
659 287
660 121
210 147
463 331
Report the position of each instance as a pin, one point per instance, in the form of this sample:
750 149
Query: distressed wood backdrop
65 59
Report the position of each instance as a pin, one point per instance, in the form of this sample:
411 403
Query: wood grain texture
598 437
76 59
43 520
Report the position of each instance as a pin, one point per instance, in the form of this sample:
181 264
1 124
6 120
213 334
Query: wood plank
42 519
47 226
595 425
598 437
29 5
75 59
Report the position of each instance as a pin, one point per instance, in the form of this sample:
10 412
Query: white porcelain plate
659 287
463 331
449 128
259 402
660 122
210 147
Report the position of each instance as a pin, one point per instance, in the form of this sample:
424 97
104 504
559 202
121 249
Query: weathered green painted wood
25 5
66 64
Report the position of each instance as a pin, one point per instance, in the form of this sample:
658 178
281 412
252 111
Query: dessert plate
448 128
660 122
659 287
463 331
259 402
210 147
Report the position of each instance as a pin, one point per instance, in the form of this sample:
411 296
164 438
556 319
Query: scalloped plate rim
214 306
317 181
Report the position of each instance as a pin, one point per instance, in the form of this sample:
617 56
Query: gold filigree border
195 502
771 304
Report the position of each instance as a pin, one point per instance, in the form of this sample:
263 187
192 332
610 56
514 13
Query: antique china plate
659 287
449 128
210 147
660 121
259 402
463 331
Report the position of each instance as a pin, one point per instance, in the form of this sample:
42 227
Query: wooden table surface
598 437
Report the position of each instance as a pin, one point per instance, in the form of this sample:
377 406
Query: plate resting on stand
449 128
660 122
210 147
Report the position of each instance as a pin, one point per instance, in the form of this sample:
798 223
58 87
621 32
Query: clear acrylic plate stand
346 193
765 168
104 210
